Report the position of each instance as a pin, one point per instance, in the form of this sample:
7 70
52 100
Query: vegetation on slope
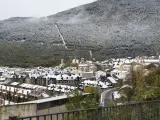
111 28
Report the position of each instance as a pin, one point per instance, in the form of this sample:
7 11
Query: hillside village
19 85
97 61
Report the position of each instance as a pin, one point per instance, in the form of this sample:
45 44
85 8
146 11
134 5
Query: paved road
107 96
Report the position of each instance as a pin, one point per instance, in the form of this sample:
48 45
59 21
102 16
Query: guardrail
137 111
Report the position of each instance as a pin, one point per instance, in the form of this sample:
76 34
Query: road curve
106 95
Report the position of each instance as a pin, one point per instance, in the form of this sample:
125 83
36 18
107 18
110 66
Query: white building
98 74
121 74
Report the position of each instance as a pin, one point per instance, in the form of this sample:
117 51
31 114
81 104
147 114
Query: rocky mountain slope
109 27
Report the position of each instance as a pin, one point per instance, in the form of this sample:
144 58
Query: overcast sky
36 8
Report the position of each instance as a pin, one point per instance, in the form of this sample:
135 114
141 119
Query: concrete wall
32 109
29 110
52 110
20 110
56 109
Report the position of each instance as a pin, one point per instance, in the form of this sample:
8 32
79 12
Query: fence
137 111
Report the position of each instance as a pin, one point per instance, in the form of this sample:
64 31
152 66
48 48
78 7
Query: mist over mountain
112 28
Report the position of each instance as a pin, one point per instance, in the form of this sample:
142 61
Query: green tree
148 86
78 101
126 93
